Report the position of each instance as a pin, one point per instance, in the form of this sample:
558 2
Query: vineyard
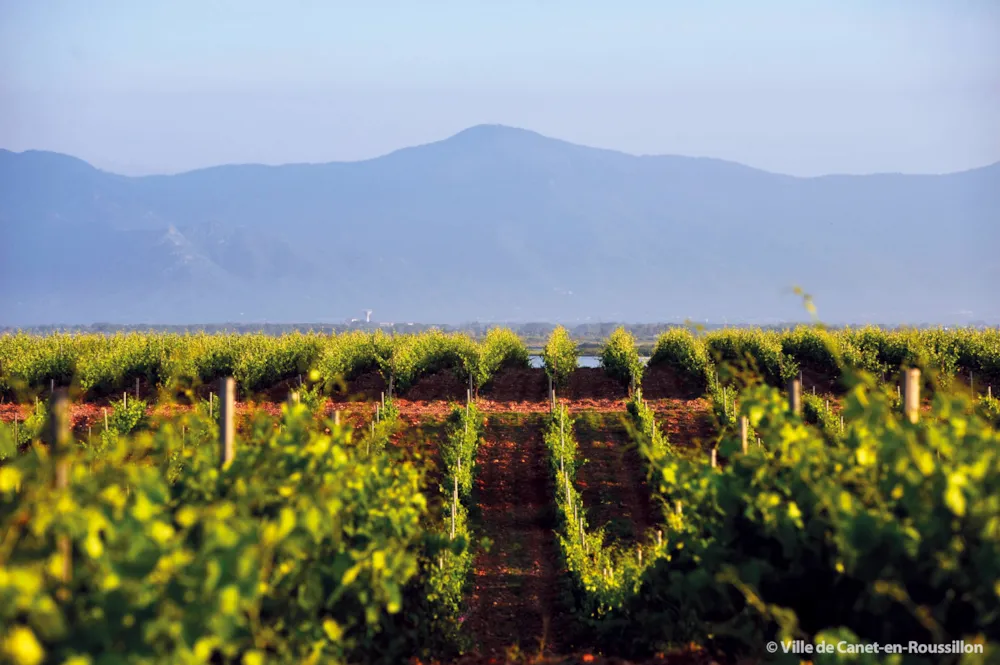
376 498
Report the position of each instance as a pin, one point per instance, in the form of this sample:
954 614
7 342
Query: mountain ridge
500 130
492 223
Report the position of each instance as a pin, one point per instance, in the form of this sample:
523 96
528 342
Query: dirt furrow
612 480
687 423
516 583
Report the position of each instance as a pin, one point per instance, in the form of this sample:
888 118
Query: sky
803 87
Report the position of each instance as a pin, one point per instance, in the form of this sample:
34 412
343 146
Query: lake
581 361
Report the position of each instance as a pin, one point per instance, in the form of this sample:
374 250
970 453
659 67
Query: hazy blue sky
802 87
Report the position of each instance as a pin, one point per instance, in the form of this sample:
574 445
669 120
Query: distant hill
493 224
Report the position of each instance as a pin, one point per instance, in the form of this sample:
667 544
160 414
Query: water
581 361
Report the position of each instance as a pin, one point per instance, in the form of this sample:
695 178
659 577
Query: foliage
28 362
753 350
348 355
298 551
125 417
448 575
32 427
686 355
264 361
500 349
384 423
311 394
620 358
653 437
603 575
819 351
895 529
559 356
435 351
95 365
817 411
988 408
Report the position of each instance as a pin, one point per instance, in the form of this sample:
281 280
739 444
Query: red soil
662 381
592 383
520 384
821 381
681 418
613 483
516 583
687 423
442 385
370 385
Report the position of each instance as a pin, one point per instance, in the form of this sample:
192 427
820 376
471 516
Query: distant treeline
533 333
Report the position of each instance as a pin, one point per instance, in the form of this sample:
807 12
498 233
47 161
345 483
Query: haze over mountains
493 224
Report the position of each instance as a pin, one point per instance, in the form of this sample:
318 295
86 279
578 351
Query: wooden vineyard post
125 400
795 396
227 430
293 398
136 388
59 433
336 417
552 398
744 432
911 395
714 458
454 506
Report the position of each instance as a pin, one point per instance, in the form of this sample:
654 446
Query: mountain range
494 224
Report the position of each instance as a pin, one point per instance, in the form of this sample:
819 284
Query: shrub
500 349
435 351
753 350
559 356
686 355
620 358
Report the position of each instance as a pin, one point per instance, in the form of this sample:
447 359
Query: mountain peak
478 135
494 130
